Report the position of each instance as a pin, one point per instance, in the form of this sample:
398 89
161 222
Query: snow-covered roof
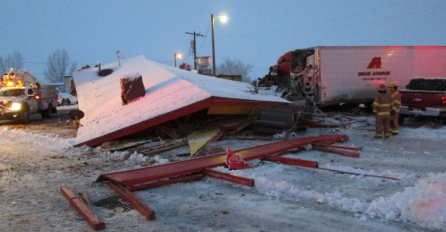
168 90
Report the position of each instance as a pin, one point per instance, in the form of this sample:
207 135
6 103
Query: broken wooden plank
127 145
134 201
229 177
243 125
292 161
163 147
158 183
87 212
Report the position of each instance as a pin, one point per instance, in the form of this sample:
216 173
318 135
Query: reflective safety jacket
396 101
382 104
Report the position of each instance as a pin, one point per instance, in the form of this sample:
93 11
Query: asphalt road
59 123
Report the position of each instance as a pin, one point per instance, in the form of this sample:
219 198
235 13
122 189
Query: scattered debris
163 147
224 211
194 169
127 145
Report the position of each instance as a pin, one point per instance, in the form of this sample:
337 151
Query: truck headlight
16 106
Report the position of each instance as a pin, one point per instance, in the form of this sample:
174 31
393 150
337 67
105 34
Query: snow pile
51 141
425 203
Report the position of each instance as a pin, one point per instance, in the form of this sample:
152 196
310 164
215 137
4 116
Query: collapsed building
130 96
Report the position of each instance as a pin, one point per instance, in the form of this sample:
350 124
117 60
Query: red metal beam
149 174
238 102
87 213
158 183
332 150
340 147
229 177
134 201
292 161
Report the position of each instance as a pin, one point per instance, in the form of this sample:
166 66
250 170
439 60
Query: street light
175 56
223 19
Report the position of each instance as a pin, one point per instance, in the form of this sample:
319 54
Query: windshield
428 84
12 92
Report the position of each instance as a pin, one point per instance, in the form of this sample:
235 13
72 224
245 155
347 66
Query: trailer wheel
401 120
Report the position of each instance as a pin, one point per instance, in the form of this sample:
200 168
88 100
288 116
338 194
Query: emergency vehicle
22 95
330 75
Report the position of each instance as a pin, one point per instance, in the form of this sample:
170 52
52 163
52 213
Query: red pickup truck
424 97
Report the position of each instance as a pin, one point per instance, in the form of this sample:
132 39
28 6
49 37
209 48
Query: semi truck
22 95
330 75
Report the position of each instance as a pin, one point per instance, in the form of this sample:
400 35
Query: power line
195 47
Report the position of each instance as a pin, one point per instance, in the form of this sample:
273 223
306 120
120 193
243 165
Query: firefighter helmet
381 87
392 85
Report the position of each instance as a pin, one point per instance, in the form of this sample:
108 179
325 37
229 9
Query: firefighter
395 108
381 111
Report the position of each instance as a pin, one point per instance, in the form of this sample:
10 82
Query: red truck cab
424 97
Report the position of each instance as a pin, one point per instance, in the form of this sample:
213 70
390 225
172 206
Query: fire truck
22 95
330 75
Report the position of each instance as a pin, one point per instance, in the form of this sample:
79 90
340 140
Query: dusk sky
257 32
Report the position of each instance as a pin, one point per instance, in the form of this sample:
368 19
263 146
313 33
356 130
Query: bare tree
2 66
234 66
72 67
14 60
57 66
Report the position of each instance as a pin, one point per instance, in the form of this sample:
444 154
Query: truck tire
438 122
401 120
25 115
64 102
48 112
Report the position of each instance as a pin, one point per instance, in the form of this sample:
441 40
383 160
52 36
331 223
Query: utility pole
195 47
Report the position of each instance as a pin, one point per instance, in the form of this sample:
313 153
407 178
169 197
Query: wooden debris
127 145
163 147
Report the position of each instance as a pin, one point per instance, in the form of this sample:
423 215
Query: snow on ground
285 198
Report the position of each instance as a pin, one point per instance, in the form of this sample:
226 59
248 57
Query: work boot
377 137
393 133
387 136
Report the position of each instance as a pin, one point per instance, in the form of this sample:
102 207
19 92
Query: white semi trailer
331 75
